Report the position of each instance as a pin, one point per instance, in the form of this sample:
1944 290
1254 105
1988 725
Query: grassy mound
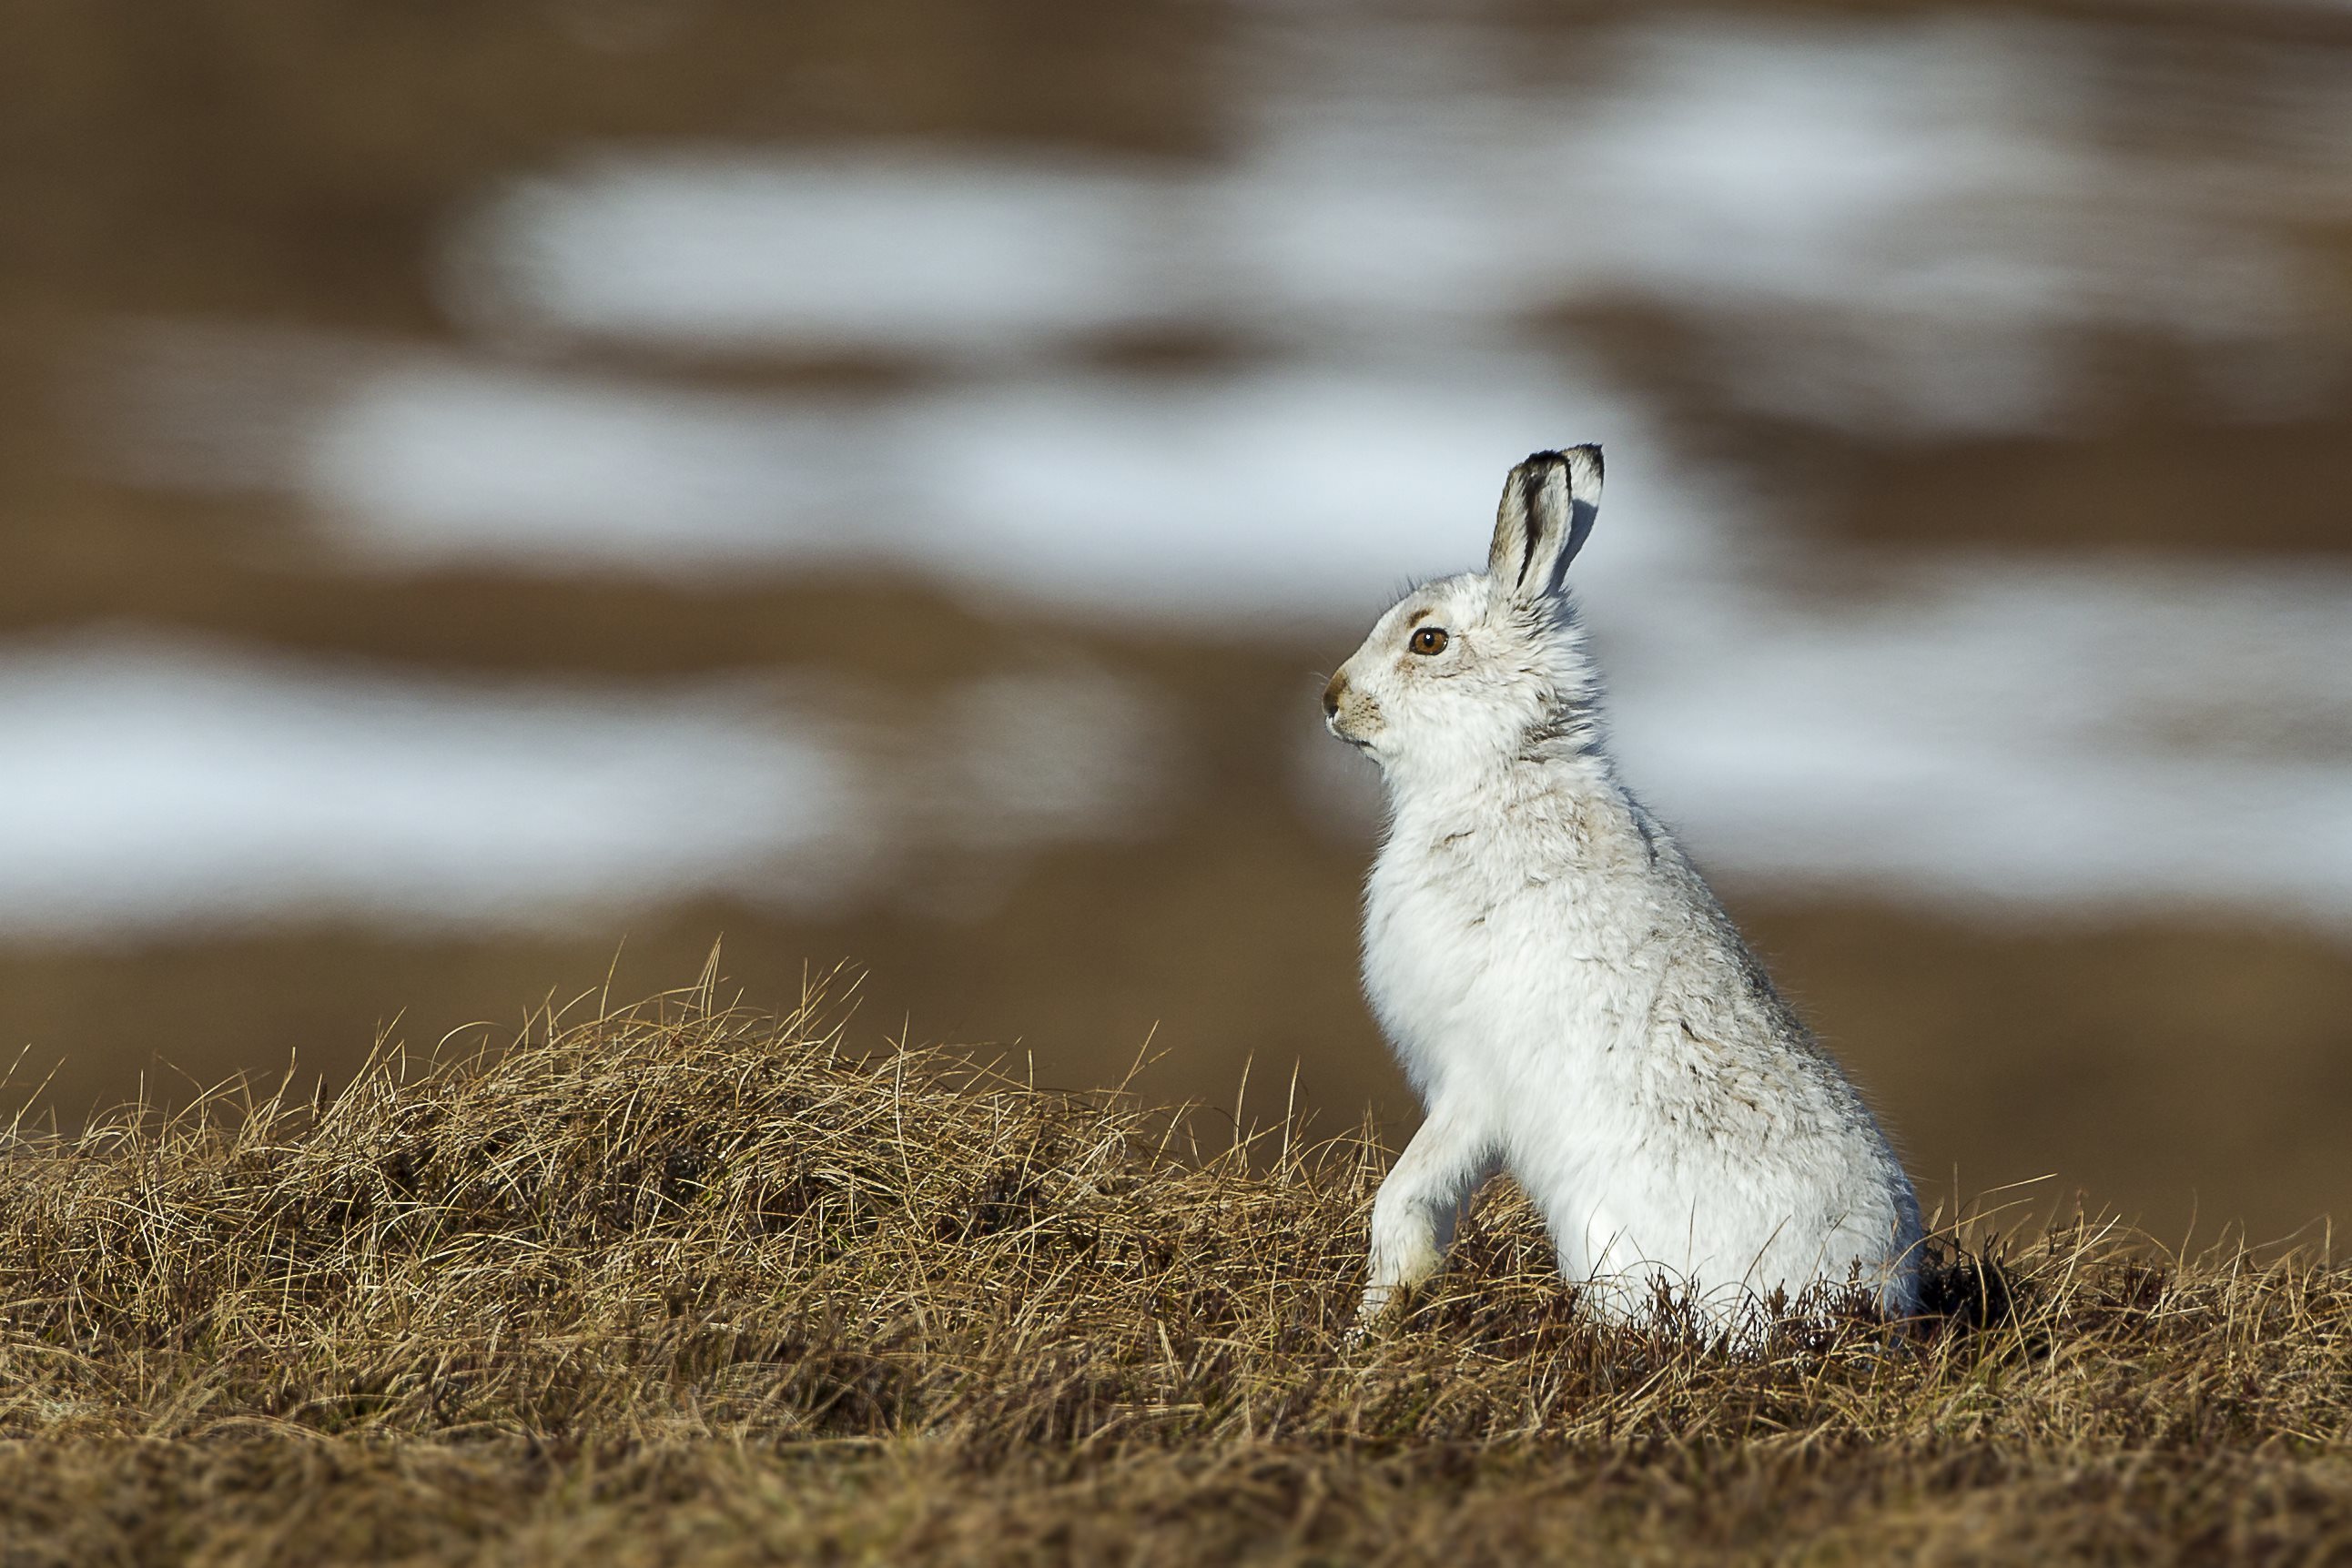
691 1284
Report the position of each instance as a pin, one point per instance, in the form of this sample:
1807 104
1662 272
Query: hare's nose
1332 693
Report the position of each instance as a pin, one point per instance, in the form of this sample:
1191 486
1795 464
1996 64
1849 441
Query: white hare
1567 998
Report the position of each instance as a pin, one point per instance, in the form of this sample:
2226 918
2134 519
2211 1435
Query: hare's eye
1428 640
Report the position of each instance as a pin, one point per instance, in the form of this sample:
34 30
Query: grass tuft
689 1284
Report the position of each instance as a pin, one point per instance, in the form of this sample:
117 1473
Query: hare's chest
1427 945
1482 974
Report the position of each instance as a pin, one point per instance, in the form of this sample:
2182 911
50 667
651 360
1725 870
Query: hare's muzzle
1344 711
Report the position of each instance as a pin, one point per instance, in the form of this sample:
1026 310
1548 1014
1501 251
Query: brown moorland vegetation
685 1283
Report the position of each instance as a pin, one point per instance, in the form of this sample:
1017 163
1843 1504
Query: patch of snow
2009 733
1920 210
155 783
852 249
1294 489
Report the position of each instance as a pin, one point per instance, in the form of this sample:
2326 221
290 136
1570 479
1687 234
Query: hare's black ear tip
1565 457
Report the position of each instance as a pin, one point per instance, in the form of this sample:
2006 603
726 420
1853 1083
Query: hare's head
1468 672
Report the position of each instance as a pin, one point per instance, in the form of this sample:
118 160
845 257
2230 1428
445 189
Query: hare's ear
1549 504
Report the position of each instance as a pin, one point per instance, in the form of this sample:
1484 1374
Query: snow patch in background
157 783
1896 225
848 250
1307 489
2013 733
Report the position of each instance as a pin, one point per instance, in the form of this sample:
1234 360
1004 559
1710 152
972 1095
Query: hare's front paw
1374 1307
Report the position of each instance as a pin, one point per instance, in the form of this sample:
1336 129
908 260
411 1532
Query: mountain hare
1567 998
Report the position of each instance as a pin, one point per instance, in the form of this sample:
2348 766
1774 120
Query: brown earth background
279 167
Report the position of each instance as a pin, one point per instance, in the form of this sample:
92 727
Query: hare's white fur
1567 998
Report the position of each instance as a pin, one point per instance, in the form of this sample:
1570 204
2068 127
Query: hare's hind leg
1423 1199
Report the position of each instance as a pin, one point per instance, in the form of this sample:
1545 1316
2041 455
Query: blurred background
494 494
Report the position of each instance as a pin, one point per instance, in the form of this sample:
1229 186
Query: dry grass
691 1284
